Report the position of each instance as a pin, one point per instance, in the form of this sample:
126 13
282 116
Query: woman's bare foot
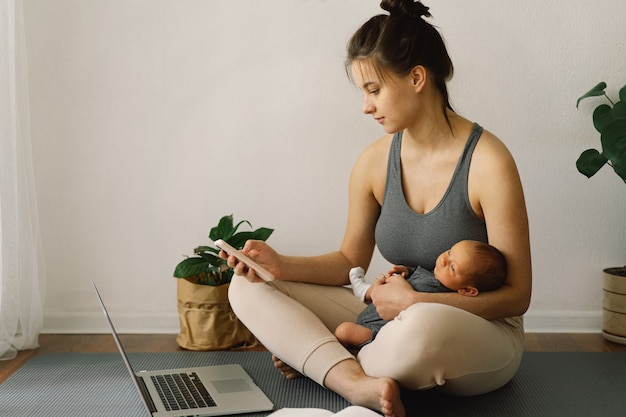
390 401
287 371
348 379
380 394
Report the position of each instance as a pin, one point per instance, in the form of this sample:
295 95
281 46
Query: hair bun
410 8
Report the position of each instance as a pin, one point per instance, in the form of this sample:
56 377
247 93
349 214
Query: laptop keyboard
182 391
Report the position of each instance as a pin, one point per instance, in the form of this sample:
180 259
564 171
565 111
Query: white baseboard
563 321
95 323
167 323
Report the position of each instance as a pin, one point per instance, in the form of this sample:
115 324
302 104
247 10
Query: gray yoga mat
96 384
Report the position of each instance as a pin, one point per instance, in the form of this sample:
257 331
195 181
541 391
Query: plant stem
608 98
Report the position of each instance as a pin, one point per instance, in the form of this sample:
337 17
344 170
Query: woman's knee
429 344
406 349
241 292
235 293
422 330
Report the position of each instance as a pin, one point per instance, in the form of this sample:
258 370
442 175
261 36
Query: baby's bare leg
352 334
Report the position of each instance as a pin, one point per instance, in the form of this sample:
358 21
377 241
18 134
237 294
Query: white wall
137 106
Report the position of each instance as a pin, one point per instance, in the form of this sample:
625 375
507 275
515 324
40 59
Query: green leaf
598 90
613 138
223 228
207 267
212 259
590 162
602 116
262 233
622 94
213 279
614 145
237 228
619 110
240 239
619 166
194 266
201 249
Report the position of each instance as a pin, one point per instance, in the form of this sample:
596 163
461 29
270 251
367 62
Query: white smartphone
258 269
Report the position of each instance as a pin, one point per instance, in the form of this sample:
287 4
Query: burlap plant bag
207 321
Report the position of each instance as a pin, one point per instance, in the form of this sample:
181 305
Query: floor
51 343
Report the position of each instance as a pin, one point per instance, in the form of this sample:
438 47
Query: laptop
202 391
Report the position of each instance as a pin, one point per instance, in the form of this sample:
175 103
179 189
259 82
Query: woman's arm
498 188
323 269
496 195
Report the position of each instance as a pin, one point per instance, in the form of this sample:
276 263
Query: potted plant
610 120
207 321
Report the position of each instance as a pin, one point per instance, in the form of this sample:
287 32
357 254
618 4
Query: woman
434 179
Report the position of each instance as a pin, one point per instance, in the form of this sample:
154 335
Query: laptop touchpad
225 386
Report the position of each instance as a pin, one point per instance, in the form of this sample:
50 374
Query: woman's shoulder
369 171
493 168
491 152
465 129
494 183
376 151
381 145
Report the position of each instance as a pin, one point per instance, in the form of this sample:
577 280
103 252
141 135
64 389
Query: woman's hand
261 253
390 298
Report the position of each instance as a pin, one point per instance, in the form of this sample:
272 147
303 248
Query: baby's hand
403 271
380 280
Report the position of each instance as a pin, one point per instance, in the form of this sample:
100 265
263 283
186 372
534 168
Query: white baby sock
359 286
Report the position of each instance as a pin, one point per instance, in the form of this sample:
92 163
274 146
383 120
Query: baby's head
470 267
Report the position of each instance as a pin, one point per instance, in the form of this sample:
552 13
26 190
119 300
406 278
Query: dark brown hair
400 41
489 267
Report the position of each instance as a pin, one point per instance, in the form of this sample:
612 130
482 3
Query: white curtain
21 268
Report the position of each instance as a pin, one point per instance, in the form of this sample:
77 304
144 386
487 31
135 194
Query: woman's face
391 101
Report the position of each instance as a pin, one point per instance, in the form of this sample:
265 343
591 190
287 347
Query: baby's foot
359 286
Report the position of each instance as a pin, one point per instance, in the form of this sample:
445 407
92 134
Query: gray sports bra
405 237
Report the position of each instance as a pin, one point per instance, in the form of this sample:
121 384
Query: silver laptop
202 391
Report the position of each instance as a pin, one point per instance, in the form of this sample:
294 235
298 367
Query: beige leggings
427 345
